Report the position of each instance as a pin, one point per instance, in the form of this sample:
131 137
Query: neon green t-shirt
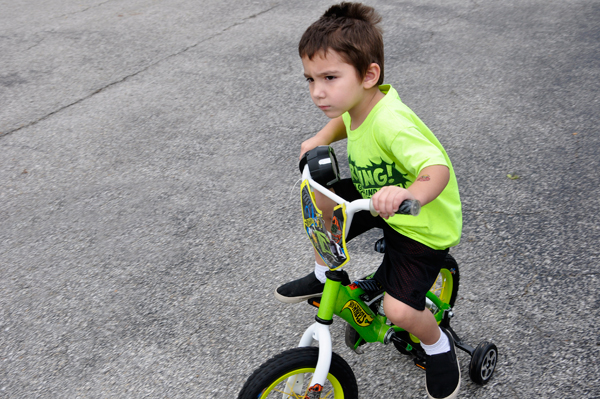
391 147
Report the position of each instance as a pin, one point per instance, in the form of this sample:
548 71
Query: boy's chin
332 114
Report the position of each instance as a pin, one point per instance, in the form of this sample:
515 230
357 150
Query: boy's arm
429 184
334 130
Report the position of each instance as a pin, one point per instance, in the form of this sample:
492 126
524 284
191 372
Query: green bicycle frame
346 303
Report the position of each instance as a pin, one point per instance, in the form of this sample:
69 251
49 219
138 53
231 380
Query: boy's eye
309 80
329 77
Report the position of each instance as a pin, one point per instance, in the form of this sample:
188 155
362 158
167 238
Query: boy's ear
372 76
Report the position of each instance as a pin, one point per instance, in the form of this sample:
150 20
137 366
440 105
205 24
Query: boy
393 156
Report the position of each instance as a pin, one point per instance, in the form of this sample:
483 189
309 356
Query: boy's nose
318 91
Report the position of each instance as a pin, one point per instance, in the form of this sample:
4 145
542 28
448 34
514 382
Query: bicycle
359 303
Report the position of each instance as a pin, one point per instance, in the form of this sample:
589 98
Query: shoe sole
295 299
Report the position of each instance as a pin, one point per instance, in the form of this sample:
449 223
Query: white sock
320 272
441 346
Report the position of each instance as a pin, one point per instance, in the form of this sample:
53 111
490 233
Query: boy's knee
398 312
325 204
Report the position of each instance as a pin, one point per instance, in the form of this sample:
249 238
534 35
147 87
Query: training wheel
483 362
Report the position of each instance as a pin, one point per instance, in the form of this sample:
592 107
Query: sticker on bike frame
360 316
331 246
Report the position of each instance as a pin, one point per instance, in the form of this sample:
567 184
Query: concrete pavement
147 210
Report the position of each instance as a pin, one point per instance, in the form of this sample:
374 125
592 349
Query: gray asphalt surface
147 205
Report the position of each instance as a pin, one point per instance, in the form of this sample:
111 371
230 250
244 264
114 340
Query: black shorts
409 268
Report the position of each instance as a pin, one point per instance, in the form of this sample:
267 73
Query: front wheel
289 374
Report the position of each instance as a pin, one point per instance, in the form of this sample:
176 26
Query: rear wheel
446 284
445 288
289 374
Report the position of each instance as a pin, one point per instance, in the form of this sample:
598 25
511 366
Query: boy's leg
326 206
442 370
408 271
312 285
420 323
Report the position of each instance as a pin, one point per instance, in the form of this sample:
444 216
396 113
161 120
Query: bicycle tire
271 379
451 266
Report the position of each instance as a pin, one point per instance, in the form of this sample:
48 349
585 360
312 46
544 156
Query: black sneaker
300 290
442 374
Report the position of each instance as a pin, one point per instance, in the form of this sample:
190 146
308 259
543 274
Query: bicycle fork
319 331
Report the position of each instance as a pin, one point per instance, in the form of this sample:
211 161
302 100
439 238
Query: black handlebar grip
409 207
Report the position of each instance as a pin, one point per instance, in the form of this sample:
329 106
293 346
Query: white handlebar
407 207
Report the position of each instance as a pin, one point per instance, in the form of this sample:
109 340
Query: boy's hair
350 29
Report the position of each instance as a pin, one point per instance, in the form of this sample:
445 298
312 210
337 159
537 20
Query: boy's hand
387 200
311 143
334 130
428 185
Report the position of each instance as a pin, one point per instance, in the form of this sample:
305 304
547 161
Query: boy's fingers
389 204
386 202
399 200
389 199
379 201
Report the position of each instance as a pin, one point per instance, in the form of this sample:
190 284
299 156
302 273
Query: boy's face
335 86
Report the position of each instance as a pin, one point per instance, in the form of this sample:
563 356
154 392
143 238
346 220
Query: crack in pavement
83 10
147 67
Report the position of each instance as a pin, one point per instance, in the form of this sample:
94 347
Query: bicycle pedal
372 289
316 302
370 285
420 363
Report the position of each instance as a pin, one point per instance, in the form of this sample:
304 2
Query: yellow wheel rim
442 288
336 390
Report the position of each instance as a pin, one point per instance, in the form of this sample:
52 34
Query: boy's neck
359 113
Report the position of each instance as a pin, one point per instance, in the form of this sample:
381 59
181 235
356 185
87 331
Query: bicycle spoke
289 392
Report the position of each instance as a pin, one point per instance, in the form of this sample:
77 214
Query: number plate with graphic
331 246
